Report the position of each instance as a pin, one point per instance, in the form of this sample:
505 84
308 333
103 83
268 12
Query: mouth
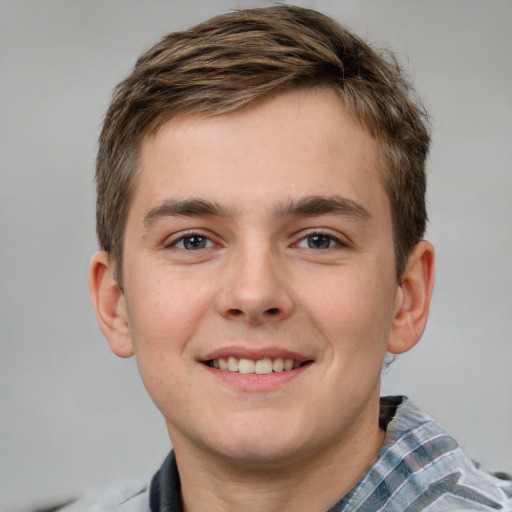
261 366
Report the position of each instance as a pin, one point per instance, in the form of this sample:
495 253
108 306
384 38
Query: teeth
278 364
259 367
263 366
245 366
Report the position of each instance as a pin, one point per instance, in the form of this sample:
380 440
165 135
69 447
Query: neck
308 483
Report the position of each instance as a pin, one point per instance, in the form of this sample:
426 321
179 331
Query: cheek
353 310
164 313
164 306
355 320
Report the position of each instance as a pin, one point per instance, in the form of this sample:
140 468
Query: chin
260 454
261 444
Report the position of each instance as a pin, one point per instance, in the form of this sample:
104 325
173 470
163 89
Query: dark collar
164 494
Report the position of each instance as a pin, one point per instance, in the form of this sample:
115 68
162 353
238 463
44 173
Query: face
259 278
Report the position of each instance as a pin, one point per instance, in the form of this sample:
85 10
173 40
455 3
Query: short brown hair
237 59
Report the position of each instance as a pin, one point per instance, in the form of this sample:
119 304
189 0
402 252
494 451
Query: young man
261 213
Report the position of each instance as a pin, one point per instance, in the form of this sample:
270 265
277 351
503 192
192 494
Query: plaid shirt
420 468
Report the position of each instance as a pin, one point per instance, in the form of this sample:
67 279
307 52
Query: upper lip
256 353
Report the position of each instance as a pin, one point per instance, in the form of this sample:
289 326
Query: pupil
318 242
194 242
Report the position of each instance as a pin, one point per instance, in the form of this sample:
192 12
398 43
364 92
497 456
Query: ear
413 299
109 305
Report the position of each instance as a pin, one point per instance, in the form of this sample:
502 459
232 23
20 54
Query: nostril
254 315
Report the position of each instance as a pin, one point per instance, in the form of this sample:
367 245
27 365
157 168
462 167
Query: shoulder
126 497
161 492
422 467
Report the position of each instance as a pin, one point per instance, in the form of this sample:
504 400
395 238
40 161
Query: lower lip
251 382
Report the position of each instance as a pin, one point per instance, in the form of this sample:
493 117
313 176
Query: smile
262 366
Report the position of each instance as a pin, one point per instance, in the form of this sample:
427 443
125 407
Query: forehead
296 143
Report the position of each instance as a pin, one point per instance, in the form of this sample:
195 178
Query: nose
256 288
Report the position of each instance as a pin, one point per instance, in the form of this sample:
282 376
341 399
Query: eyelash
174 243
323 234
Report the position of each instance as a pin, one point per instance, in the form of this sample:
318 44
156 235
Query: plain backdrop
72 415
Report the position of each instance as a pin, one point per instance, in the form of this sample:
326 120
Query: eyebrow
311 206
194 207
308 206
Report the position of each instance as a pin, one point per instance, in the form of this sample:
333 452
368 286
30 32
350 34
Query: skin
264 232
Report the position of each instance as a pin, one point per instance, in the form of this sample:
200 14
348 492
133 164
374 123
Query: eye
192 242
319 241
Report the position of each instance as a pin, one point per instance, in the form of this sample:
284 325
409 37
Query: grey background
72 416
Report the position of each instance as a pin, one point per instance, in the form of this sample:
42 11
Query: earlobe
413 299
109 305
